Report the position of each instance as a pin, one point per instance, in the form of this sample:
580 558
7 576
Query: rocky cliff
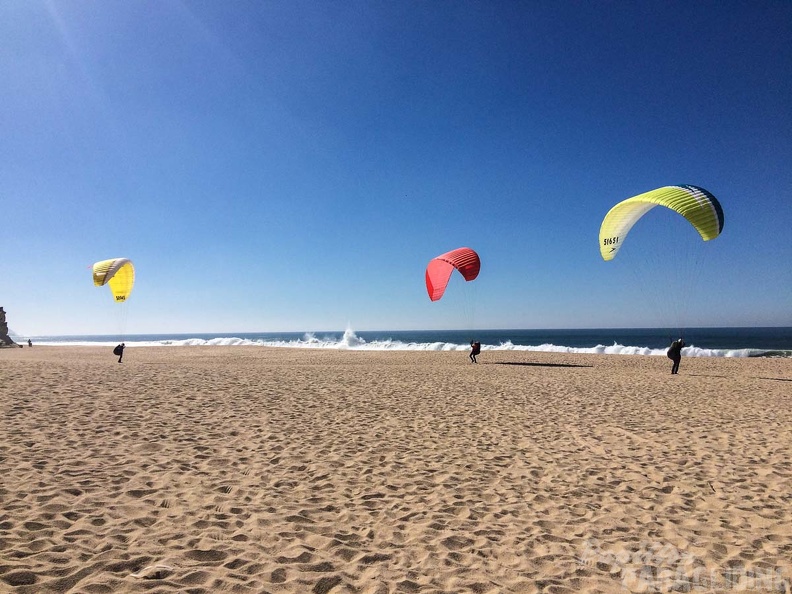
5 340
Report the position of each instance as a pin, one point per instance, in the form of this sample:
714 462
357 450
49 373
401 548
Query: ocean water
702 342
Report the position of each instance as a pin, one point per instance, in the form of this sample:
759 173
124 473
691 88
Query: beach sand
248 469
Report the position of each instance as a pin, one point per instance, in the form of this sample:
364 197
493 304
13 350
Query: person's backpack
118 350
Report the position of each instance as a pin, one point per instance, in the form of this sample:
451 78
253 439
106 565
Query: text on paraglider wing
610 241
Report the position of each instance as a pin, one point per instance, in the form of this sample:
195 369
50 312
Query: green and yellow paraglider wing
118 274
697 205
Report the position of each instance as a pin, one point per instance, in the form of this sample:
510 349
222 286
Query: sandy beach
256 470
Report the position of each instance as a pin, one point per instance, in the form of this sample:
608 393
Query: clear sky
293 165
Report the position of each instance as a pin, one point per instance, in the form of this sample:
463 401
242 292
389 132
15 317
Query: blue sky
294 165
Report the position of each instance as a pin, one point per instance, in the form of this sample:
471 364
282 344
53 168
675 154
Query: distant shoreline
702 342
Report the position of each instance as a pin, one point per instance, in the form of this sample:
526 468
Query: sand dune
245 469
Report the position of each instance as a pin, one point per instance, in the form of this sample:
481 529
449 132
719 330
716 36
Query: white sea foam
351 341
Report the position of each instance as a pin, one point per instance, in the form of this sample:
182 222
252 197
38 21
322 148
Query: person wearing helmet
675 354
475 349
119 350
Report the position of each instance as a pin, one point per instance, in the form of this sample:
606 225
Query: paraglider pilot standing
675 354
475 349
119 350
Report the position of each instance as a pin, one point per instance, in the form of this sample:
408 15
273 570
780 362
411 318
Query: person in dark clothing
119 350
475 349
30 343
675 354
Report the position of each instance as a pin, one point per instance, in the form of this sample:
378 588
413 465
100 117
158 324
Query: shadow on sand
772 379
529 364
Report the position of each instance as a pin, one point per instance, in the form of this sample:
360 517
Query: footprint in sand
209 555
153 572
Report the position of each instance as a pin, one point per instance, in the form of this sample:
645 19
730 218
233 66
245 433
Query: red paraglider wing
439 270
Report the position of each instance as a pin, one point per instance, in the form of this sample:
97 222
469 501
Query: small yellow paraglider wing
118 274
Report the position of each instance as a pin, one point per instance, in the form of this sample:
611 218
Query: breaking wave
349 340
